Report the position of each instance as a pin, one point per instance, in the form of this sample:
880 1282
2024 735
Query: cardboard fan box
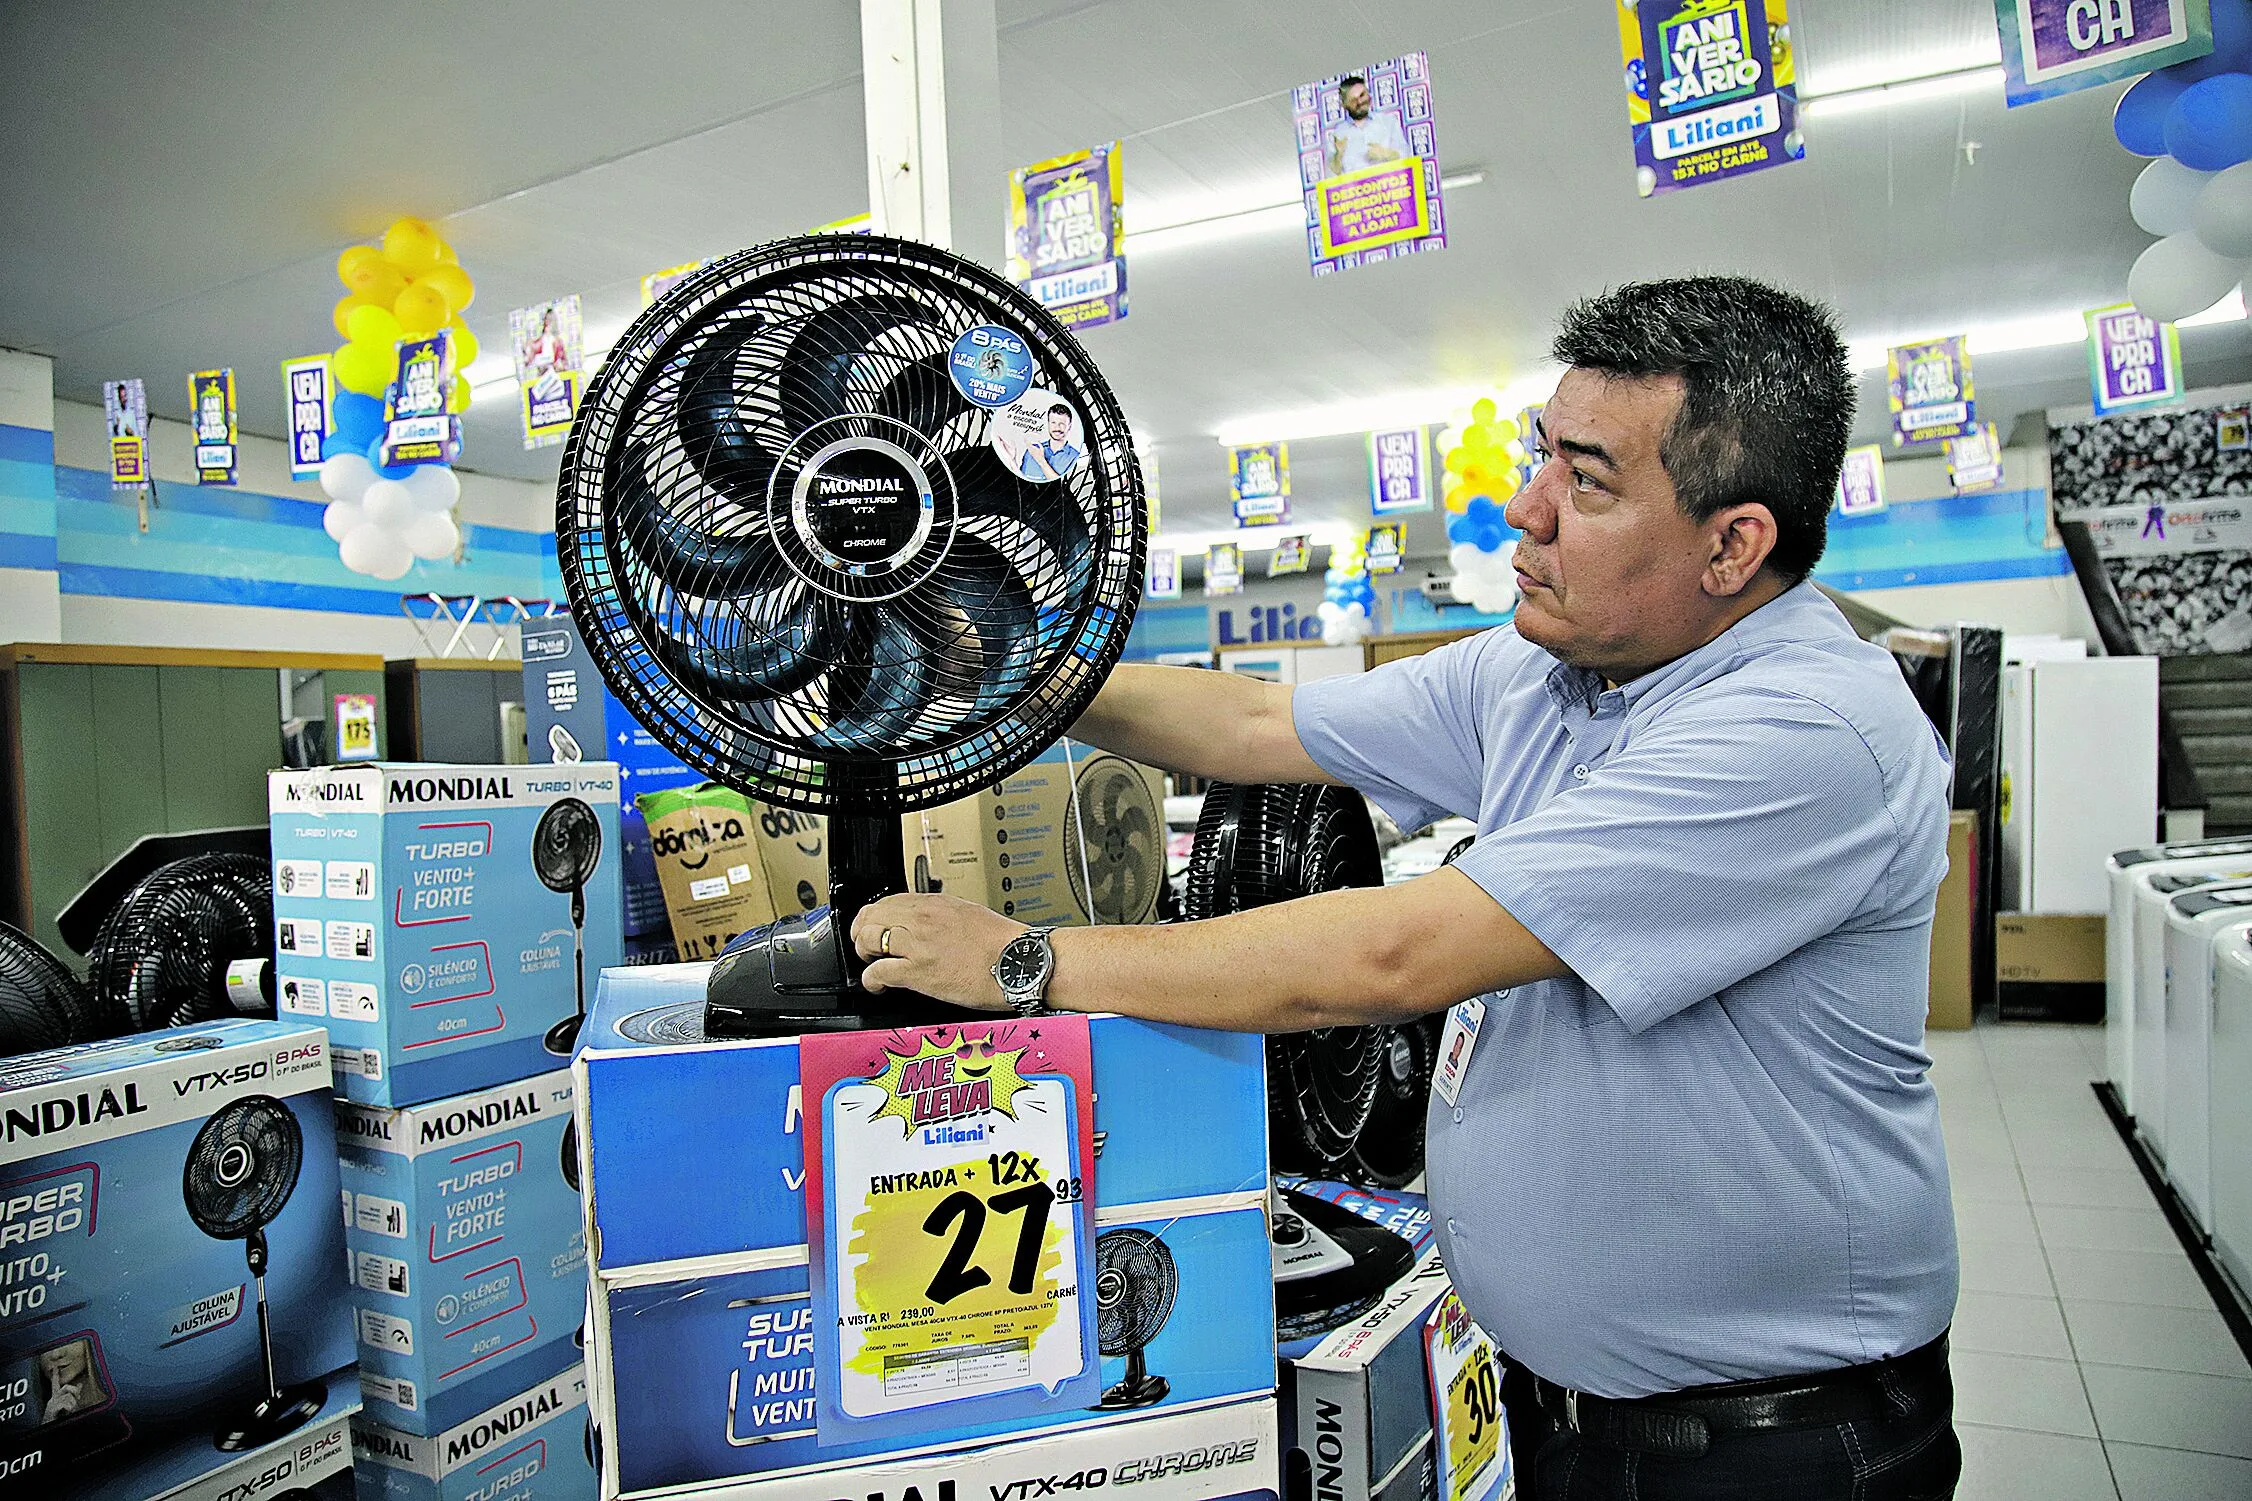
728 864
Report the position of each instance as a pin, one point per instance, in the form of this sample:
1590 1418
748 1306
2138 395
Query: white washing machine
2192 920
2128 875
2149 1059
2230 1122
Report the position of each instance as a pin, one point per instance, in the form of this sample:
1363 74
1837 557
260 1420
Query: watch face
1023 964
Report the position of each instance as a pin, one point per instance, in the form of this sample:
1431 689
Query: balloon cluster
1485 462
2195 118
382 516
1348 600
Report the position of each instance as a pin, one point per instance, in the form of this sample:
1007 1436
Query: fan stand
564 1035
279 1411
1139 1389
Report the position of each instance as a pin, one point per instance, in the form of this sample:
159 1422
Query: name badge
1455 1044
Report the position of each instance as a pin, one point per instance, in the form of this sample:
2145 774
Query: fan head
242 1167
797 553
42 1005
161 957
1121 836
566 845
1135 1282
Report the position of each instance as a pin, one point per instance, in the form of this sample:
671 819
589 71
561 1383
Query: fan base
563 1036
1146 1392
273 1417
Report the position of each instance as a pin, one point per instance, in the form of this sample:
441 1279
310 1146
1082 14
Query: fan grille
949 638
1119 825
242 1167
1135 1282
566 845
161 957
42 1005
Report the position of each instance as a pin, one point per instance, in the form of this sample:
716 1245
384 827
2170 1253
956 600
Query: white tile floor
2089 1360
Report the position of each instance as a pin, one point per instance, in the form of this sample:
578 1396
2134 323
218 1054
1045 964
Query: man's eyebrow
1575 447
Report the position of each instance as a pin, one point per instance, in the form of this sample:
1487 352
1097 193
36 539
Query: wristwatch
1026 964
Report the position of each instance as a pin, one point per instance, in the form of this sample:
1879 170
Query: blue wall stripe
27 516
2045 566
91 486
20 551
29 445
137 583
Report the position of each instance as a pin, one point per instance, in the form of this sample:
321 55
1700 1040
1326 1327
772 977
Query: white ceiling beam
931 72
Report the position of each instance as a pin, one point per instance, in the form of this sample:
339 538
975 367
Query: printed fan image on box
443 921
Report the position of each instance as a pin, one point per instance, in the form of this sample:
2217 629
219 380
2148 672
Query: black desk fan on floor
808 561
240 1171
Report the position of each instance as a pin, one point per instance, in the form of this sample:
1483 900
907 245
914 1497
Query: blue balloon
2140 119
336 443
2210 126
1460 528
2232 46
383 470
1489 539
357 417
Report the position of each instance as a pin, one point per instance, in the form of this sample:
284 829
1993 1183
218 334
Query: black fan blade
686 556
710 422
817 372
923 396
984 487
884 697
982 600
775 646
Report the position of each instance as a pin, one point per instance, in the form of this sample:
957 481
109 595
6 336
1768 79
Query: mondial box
440 917
468 1253
164 1199
701 1351
1356 1407
532 1445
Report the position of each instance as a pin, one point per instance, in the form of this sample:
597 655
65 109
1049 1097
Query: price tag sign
1470 1440
950 1210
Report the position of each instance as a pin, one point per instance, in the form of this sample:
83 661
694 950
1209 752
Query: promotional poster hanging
2052 47
1289 555
2133 362
550 368
1711 90
1259 483
1861 481
309 415
417 428
1974 459
126 404
1928 387
1164 581
1223 568
1399 471
211 417
1067 235
1368 164
1386 548
949 1199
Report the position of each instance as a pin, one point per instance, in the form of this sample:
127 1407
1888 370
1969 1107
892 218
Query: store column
931 72
30 598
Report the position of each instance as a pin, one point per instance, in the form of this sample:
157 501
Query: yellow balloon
1457 498
420 310
411 246
341 314
1458 459
446 256
1479 439
360 368
458 401
1504 485
451 283
356 264
1483 411
1505 431
371 325
465 344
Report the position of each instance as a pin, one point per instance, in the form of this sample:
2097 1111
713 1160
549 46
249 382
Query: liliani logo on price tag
951 1223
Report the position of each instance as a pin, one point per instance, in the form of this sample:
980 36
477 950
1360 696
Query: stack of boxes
441 920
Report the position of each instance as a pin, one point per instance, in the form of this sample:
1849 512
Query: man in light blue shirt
1689 1172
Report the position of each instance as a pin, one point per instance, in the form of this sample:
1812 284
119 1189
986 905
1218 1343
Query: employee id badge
1456 1040
950 1225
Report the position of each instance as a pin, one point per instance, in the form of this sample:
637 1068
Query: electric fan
241 1169
162 956
1272 843
42 1005
566 847
1135 1281
1388 1151
1120 865
799 527
1331 1265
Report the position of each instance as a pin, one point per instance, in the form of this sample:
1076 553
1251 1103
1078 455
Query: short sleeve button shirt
1712 1152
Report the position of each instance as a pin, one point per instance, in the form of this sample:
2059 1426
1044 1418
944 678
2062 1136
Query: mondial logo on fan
1710 81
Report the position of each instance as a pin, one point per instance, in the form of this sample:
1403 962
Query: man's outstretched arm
1221 725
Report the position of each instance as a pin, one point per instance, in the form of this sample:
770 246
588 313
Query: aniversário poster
1067 235
1711 91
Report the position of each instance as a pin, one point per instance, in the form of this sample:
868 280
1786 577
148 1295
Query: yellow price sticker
1472 1447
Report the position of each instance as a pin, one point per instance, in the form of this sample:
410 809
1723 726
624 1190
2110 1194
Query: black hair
1767 404
1060 407
1349 80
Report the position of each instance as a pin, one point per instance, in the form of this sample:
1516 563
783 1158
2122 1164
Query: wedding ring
883 942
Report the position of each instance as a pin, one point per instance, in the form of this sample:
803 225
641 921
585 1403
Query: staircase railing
2179 787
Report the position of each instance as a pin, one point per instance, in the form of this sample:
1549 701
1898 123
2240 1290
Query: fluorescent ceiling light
2037 331
1258 538
1238 217
1906 92
1827 79
1398 409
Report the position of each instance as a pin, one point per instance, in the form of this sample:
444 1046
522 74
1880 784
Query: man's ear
1741 537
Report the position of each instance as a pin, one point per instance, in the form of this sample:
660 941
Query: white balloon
1354 607
2164 197
2224 213
347 476
1463 557
341 517
432 535
389 504
433 486
376 552
2178 277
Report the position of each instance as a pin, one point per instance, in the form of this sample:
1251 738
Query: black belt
1684 1423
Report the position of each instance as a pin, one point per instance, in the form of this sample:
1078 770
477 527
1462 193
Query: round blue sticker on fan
990 365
